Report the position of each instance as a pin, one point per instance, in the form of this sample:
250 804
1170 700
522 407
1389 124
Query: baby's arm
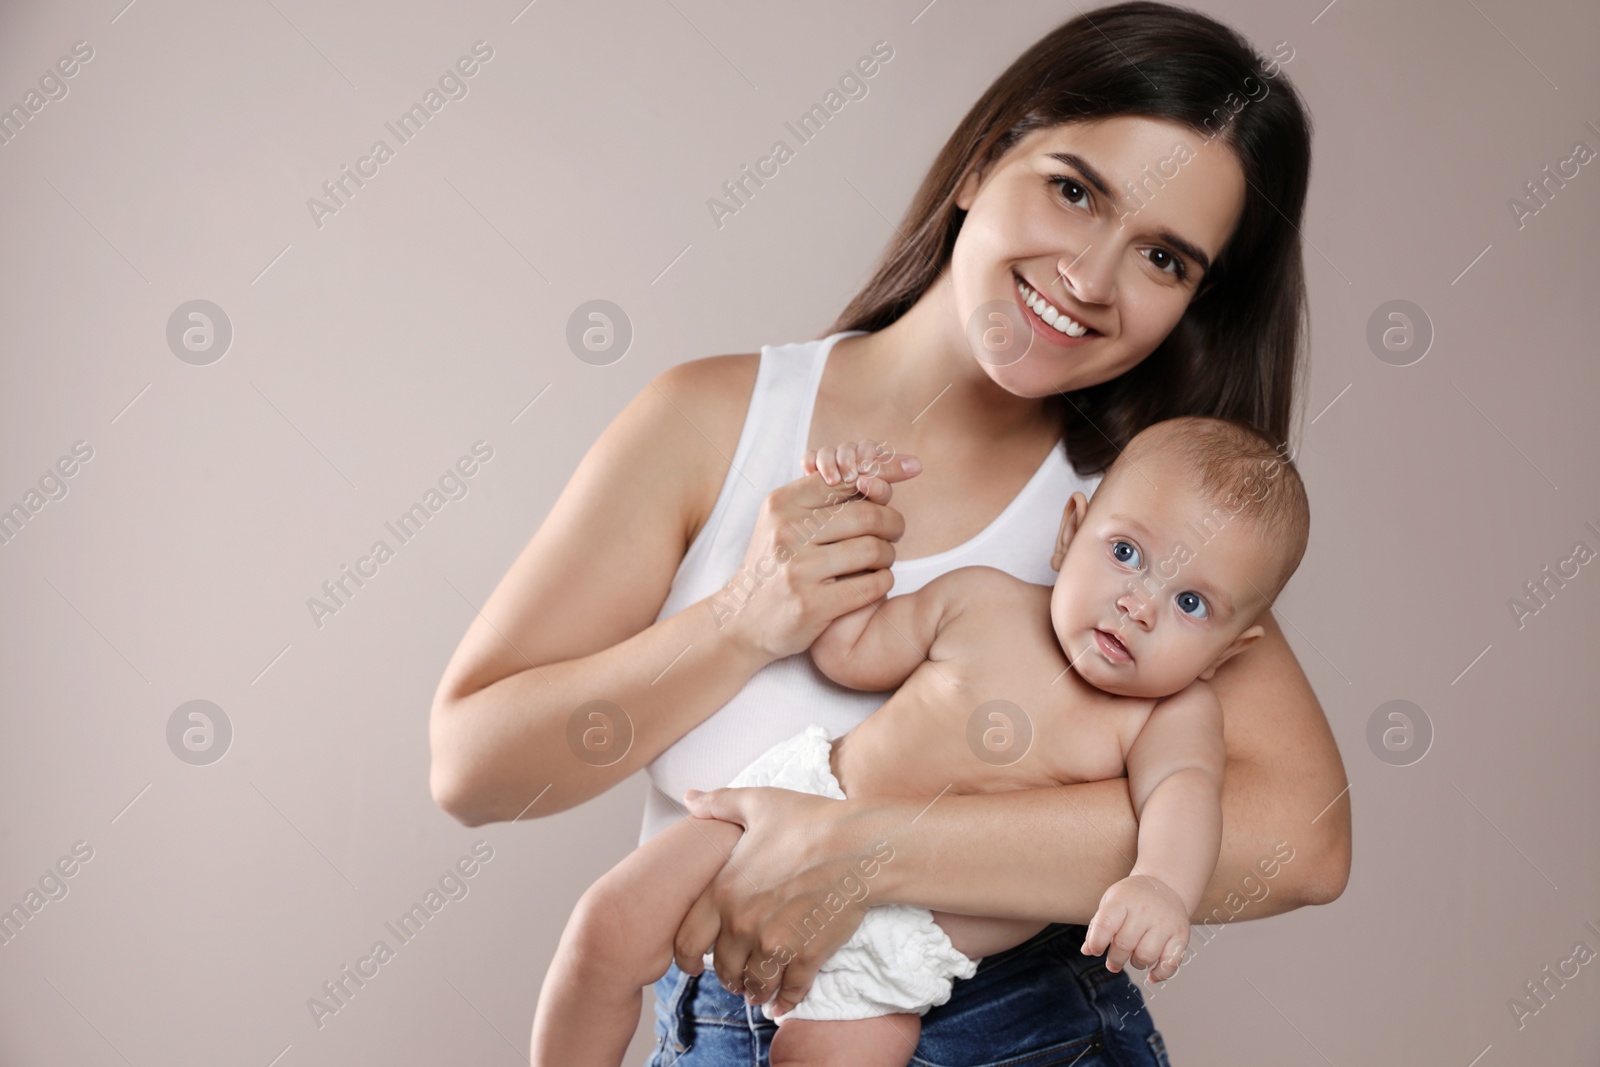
876 647
879 645
1175 769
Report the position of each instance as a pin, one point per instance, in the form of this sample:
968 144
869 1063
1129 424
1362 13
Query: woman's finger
725 804
731 955
874 488
796 983
898 468
696 933
808 462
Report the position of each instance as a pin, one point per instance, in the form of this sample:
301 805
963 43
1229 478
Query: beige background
370 353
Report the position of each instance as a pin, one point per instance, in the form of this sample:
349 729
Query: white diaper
898 959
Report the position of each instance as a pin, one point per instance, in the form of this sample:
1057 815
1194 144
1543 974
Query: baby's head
1192 534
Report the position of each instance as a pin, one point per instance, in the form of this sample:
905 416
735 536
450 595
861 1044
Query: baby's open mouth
1112 646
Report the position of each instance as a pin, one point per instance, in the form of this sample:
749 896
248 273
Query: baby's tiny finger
828 464
1171 959
1122 946
848 466
1102 928
870 456
1148 951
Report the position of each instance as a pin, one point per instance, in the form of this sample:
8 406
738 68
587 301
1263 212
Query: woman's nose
1089 275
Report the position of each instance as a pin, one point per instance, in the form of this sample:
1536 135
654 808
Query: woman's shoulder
718 381
712 394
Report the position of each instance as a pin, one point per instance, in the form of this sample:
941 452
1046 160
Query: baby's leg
978 935
619 939
883 1041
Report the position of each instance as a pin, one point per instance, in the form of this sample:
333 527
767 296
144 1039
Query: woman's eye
1167 263
1125 553
1191 604
1072 190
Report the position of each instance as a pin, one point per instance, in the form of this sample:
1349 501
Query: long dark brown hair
1238 349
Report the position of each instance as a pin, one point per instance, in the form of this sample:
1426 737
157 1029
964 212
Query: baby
1192 533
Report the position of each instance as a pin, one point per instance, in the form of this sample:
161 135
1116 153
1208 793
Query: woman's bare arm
567 650
1282 779
573 620
1042 854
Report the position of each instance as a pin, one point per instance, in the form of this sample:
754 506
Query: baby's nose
1135 607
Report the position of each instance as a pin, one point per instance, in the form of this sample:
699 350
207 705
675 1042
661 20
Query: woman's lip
1043 329
1112 647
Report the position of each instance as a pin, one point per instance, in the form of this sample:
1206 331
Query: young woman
1138 177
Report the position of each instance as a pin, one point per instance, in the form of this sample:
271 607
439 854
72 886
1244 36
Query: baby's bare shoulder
979 586
980 603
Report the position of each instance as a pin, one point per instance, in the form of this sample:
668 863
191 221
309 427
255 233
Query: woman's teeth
1051 315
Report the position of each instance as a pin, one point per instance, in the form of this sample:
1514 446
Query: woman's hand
805 863
816 553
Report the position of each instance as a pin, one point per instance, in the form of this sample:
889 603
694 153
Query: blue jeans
1040 1004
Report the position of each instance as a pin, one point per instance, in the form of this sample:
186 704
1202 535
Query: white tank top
787 695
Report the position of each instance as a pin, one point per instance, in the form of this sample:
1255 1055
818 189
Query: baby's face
1157 587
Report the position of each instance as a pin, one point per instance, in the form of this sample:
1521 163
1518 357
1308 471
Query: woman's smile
1049 321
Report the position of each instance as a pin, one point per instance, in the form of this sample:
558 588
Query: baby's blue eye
1189 601
1131 558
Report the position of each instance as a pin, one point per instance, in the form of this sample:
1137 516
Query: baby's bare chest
1003 710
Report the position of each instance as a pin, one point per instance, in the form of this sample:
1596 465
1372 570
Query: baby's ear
1071 518
1250 636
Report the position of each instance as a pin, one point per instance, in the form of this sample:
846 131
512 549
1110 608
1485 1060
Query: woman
1142 172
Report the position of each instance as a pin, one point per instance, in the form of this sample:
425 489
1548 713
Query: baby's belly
906 750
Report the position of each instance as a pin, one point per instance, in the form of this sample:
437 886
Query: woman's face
1112 223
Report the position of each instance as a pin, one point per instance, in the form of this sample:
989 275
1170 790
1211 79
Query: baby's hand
1142 920
861 464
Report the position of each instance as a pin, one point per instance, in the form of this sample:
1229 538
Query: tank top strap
767 456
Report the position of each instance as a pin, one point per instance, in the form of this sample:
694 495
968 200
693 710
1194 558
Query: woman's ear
967 191
1071 518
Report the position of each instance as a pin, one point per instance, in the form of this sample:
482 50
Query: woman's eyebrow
1186 248
1096 179
1090 175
